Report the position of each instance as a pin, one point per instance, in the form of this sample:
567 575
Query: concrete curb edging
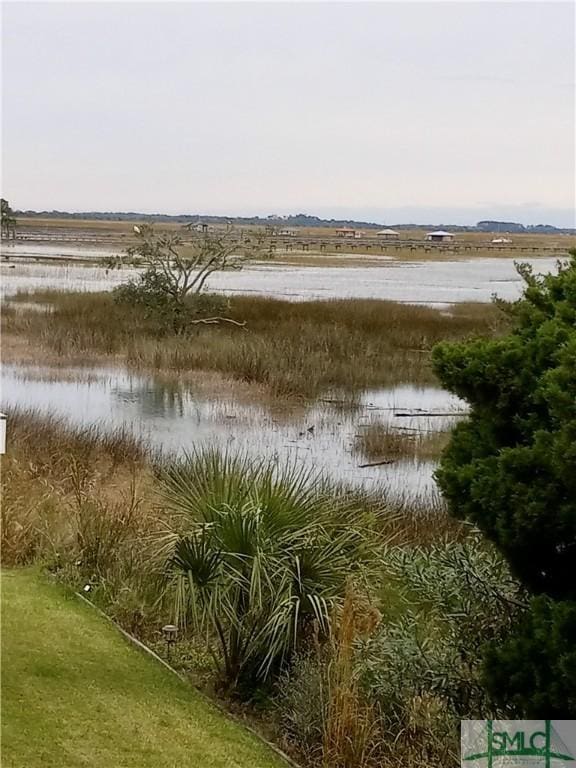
139 644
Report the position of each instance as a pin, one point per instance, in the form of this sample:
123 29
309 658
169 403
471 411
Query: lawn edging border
213 702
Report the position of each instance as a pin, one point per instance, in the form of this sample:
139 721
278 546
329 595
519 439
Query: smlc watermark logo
520 743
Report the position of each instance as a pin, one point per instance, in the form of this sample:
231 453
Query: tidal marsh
290 348
53 469
175 413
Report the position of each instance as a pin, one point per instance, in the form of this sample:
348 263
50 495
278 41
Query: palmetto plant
260 556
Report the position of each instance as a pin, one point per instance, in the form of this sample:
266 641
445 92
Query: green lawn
76 693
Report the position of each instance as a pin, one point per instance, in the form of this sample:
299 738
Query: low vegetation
402 670
304 604
261 557
290 348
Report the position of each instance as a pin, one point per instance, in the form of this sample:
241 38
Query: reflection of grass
381 441
291 348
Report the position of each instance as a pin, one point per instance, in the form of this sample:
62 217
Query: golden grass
350 729
49 470
378 441
289 348
65 490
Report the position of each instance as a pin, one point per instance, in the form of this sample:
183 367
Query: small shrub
151 292
423 668
301 704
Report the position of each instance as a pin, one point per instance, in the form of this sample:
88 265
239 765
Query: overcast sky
393 112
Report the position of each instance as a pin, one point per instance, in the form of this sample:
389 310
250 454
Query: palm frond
266 551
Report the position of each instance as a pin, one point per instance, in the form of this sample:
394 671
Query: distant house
501 240
286 233
388 234
198 226
346 232
440 236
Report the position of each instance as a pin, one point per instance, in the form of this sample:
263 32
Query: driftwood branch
216 320
377 463
417 414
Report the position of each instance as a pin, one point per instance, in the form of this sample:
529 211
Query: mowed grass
76 693
289 348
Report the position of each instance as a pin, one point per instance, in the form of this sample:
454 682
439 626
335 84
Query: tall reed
351 727
291 348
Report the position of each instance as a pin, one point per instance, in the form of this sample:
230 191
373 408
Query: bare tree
180 268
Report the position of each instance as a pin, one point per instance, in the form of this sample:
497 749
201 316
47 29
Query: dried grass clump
379 441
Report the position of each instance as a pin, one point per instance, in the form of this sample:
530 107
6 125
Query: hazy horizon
395 113
432 220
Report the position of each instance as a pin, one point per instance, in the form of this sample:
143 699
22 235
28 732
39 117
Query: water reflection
177 417
427 282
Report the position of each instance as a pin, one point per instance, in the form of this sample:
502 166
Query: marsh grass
60 483
66 488
49 439
85 504
290 348
350 733
380 441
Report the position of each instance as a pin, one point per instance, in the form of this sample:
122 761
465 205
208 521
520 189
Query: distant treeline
297 220
511 226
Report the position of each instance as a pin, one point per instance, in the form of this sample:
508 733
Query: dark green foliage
545 684
511 469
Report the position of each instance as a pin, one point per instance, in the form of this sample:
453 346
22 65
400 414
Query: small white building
286 233
501 241
440 236
388 234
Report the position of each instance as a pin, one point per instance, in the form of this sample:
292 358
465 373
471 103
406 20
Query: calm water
427 282
177 418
